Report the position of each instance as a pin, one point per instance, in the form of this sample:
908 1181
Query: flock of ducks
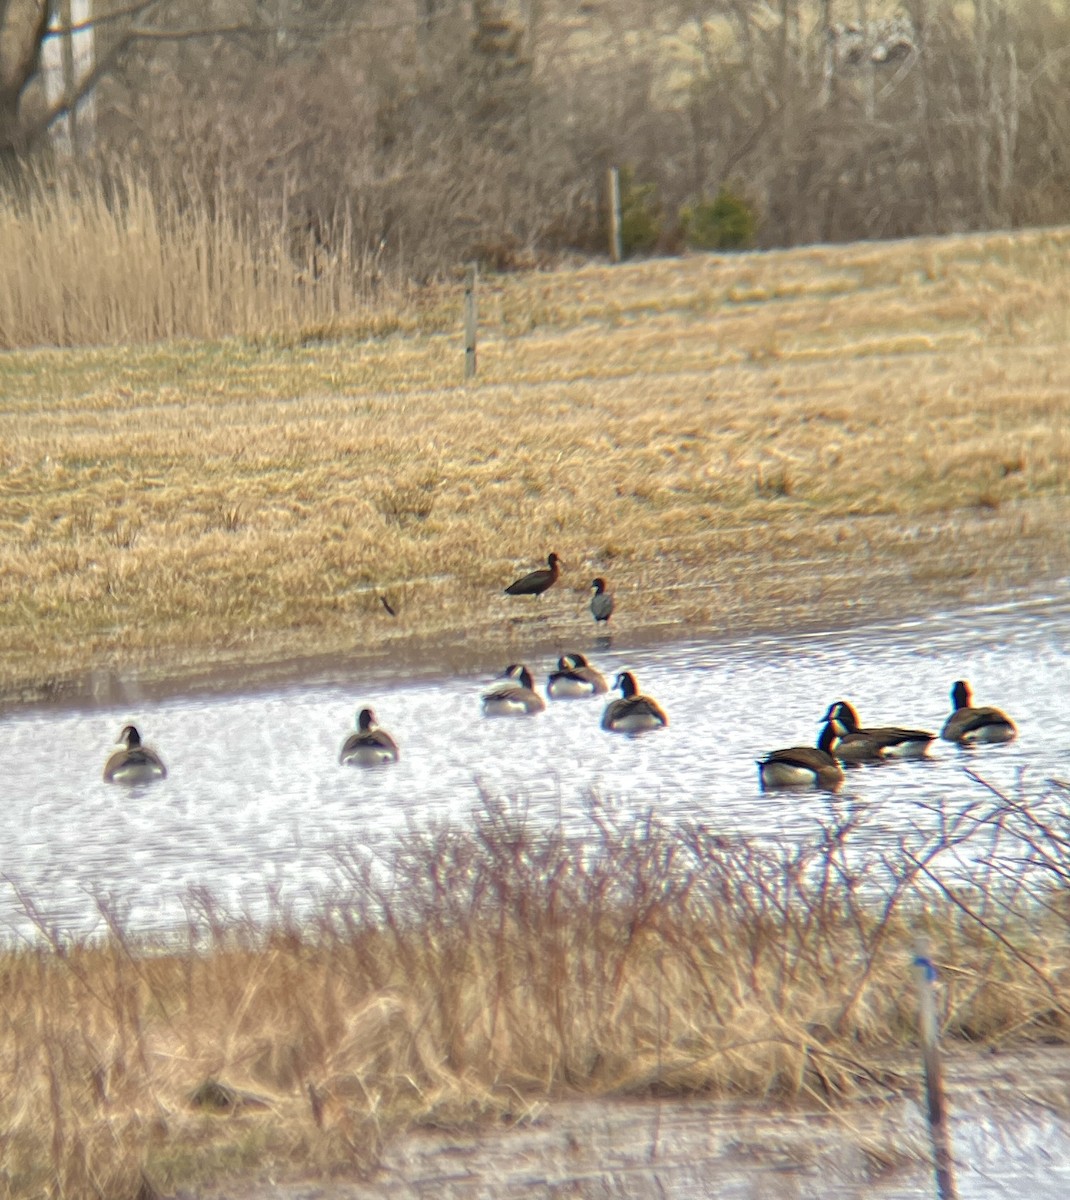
843 741
513 694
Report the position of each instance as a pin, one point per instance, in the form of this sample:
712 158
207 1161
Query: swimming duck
535 583
574 679
633 712
514 696
883 742
805 766
969 726
369 745
134 763
601 601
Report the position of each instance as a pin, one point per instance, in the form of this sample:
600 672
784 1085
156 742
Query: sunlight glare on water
256 803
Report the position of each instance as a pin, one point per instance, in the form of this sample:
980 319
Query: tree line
416 134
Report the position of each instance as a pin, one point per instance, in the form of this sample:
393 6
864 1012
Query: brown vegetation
478 973
405 138
804 436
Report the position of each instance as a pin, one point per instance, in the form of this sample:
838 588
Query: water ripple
256 803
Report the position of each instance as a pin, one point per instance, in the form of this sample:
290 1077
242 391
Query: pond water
256 803
1008 1139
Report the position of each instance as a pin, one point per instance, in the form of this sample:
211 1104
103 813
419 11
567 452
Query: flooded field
256 805
1009 1126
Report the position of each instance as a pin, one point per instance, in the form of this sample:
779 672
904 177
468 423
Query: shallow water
256 803
1010 1137
1007 1141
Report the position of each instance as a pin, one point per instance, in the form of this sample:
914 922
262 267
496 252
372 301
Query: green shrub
640 215
725 223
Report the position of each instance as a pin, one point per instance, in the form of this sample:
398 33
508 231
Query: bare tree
22 30
421 133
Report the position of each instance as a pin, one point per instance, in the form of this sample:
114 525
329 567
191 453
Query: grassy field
810 437
804 437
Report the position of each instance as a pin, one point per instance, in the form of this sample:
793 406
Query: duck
634 712
134 763
514 696
858 745
574 679
805 766
369 746
970 726
601 602
536 582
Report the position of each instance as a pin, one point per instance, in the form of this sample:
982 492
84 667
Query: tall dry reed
91 261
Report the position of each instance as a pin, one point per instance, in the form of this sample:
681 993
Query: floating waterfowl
634 712
134 763
805 766
883 742
369 746
535 583
575 679
514 696
601 602
971 726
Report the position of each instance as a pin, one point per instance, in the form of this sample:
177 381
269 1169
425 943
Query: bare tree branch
118 14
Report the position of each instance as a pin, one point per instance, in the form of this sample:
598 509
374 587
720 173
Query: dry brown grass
804 436
480 973
86 264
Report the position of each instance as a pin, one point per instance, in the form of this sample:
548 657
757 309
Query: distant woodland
416 134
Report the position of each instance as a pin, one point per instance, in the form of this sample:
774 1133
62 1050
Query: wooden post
470 320
616 252
934 1079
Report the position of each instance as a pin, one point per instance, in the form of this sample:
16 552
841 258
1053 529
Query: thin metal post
616 251
470 320
939 1132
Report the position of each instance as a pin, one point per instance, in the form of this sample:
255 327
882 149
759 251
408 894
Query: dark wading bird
514 695
134 763
805 766
601 601
878 744
575 679
633 712
535 583
970 726
369 745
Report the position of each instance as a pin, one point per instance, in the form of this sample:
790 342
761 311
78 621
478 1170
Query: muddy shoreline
981 557
1010 1122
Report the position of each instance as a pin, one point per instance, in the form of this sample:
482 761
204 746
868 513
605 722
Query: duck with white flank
134 763
878 744
971 726
805 766
575 679
601 602
369 746
537 582
514 695
634 712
